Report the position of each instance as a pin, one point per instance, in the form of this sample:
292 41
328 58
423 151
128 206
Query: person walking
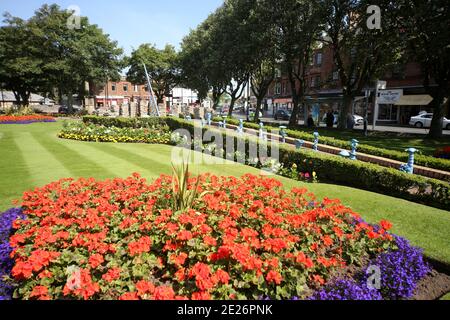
330 119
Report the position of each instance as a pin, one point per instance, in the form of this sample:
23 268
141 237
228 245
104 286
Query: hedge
329 168
119 122
358 174
422 160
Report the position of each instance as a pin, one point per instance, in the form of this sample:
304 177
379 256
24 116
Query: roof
8 96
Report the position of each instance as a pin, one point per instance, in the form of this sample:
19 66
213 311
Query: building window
315 82
125 88
136 88
319 58
277 73
278 88
335 75
113 87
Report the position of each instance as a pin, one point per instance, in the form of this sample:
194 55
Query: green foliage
427 35
43 53
161 66
183 194
91 132
151 122
356 174
422 160
361 54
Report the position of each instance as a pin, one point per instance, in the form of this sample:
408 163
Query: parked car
283 115
65 109
359 121
424 121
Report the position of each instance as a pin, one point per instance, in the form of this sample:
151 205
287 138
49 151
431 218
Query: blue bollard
261 131
240 129
208 118
316 141
283 134
299 144
354 143
409 167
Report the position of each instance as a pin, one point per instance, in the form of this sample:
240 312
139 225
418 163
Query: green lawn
32 155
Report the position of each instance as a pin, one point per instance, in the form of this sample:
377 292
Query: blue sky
131 22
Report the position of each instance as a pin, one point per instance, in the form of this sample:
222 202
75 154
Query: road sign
389 96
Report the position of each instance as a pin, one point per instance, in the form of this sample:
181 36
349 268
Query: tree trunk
17 96
232 103
259 100
70 101
26 99
345 110
295 110
438 117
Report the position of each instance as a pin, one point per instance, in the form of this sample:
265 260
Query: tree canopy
162 66
43 53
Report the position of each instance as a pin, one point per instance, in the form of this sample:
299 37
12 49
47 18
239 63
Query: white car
424 121
359 121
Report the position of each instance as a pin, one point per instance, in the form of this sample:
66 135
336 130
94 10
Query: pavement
390 128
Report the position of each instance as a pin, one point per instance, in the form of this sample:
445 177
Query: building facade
324 91
119 93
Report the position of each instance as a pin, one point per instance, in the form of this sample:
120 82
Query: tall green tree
21 66
362 54
298 25
425 25
62 57
162 67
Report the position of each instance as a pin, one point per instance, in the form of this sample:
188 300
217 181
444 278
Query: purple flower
346 290
6 263
401 270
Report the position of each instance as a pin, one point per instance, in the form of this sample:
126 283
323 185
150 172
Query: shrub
26 119
244 238
99 133
358 174
401 270
346 290
423 160
6 263
119 122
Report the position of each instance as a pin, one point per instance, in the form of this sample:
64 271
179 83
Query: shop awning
415 100
282 100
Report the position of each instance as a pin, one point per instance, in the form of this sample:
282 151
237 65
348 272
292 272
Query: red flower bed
244 238
25 119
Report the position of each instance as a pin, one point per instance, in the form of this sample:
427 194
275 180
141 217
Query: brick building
118 93
324 91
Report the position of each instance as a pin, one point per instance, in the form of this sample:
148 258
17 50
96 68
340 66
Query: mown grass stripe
42 165
12 168
78 164
151 164
118 166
